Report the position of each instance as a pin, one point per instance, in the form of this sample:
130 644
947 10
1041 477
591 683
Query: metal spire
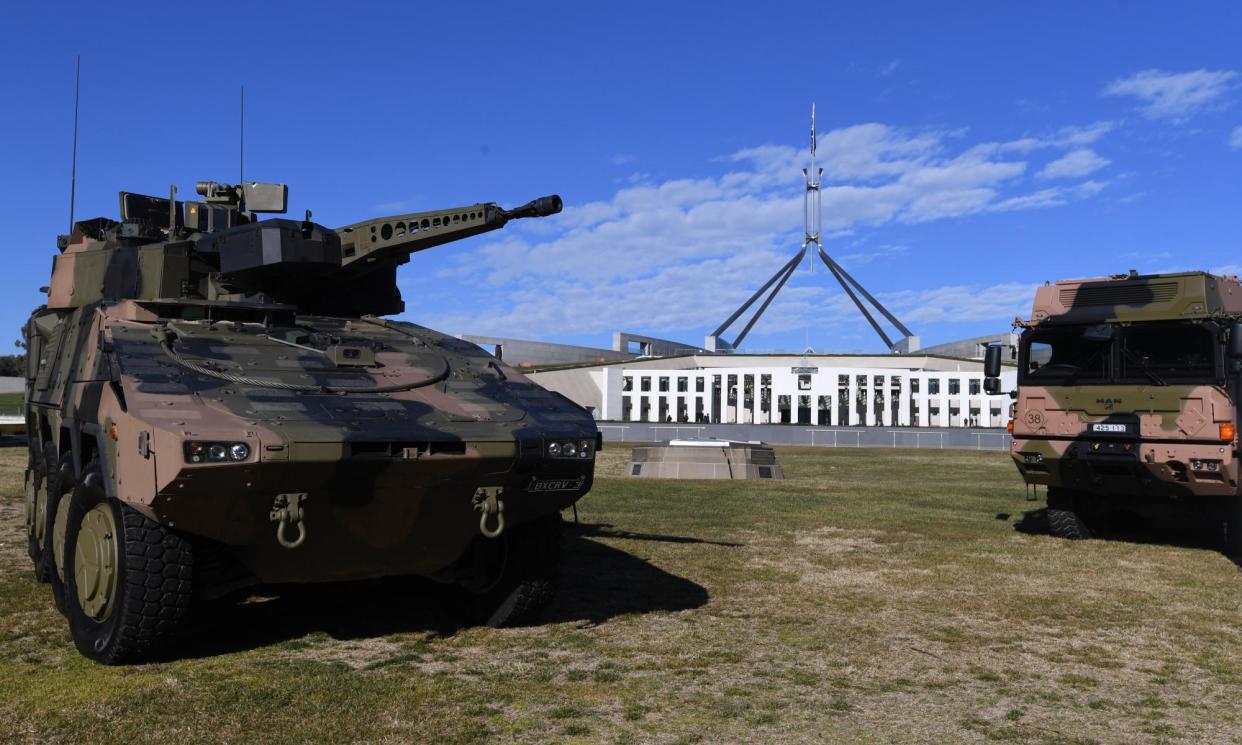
812 212
811 209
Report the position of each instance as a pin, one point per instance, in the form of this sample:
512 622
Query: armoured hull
386 457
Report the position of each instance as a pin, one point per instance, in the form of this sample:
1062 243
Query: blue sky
971 153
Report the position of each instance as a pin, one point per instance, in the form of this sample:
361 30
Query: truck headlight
197 451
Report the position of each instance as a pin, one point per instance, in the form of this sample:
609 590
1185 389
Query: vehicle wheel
1064 517
128 581
1233 526
524 567
51 567
36 507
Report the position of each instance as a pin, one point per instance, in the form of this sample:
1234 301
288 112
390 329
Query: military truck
217 401
1127 399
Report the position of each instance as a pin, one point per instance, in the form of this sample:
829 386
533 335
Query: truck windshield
1064 356
1141 354
1168 352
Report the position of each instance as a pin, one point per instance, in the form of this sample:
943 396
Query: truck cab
1127 398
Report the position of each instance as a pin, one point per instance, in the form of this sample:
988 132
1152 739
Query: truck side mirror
992 386
992 361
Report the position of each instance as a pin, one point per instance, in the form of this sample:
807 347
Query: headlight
216 452
576 449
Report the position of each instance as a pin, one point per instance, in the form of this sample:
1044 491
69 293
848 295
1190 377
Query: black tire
1232 524
1064 516
59 484
153 581
525 570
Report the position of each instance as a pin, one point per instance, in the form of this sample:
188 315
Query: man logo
1108 403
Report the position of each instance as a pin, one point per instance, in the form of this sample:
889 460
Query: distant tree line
12 365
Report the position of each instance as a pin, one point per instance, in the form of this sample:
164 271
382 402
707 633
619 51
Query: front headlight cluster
577 449
216 452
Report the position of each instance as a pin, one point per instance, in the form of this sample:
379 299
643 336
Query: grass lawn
12 403
873 596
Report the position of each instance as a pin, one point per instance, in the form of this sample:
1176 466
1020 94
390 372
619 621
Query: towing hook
286 509
488 503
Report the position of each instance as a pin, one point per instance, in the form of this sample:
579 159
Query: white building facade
840 396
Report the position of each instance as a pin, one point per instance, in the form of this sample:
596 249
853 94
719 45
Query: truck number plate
1108 428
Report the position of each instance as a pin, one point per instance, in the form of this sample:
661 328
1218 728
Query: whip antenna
73 168
241 138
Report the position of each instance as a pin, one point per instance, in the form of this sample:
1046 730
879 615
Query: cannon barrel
541 207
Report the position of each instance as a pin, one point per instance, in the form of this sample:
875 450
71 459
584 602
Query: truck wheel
524 572
1233 526
128 579
1064 518
60 481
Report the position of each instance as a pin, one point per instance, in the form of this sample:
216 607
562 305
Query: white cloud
1074 164
1173 96
621 159
888 69
676 257
1235 139
1002 302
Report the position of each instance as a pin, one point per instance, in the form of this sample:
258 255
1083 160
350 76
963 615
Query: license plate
1108 428
546 485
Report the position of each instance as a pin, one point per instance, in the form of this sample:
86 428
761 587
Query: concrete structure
819 390
526 353
705 459
649 346
975 348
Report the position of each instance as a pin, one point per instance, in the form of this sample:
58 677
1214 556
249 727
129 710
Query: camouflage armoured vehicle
1127 400
216 401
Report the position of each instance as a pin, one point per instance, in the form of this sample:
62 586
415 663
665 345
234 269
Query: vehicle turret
216 250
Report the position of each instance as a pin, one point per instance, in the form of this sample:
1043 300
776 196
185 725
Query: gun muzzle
541 207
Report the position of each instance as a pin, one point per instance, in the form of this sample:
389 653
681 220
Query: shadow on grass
598 583
1200 529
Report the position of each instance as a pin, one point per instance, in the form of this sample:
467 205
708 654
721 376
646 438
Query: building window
645 384
955 386
683 385
878 381
663 384
974 387
914 385
698 385
804 382
627 383
843 381
933 387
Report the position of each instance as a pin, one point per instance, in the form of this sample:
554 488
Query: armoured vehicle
1127 400
216 401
